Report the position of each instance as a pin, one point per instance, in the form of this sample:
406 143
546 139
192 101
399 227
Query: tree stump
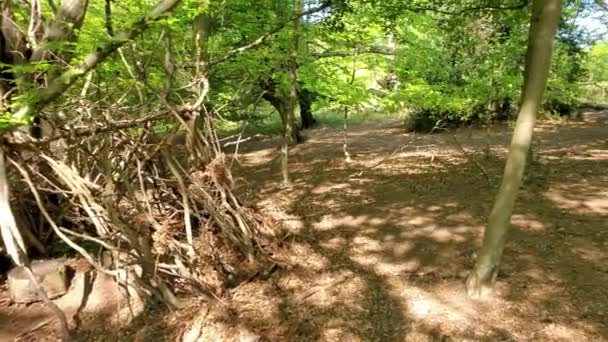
51 274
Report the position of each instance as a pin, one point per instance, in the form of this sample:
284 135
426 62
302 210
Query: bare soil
379 248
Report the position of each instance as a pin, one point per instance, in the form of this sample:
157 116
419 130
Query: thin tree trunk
543 26
288 139
289 129
345 130
285 162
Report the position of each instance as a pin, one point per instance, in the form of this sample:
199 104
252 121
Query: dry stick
34 328
185 199
400 149
470 158
63 322
16 248
86 131
331 284
54 226
24 262
13 241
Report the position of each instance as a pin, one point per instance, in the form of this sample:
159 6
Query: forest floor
379 247
381 254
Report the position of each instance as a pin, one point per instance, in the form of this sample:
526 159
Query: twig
34 328
90 130
237 142
318 289
400 149
470 158
54 226
185 199
63 322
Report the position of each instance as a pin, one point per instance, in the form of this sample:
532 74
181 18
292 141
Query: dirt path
382 255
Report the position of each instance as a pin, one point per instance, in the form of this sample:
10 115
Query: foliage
597 63
452 62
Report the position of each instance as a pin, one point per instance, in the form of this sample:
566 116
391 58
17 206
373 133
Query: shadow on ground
382 255
379 248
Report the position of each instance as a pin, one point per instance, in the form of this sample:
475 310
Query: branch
470 9
602 4
108 10
71 75
472 160
53 6
261 39
381 50
86 131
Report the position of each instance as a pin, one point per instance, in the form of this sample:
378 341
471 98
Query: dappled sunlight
595 254
327 292
528 223
587 202
332 221
322 189
311 260
432 308
259 157
562 332
335 243
382 253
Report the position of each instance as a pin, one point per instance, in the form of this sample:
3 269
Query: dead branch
25 141
54 226
472 160
333 283
398 150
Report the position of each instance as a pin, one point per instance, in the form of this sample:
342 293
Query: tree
543 26
598 63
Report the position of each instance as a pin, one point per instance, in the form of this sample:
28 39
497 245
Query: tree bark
543 26
289 117
63 28
305 100
60 84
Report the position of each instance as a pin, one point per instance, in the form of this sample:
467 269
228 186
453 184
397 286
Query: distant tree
597 63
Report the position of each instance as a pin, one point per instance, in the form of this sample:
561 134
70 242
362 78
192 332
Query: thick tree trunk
305 99
282 106
543 26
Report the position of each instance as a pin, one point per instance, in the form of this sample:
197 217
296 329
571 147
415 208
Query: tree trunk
543 26
289 116
305 99
63 28
289 138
